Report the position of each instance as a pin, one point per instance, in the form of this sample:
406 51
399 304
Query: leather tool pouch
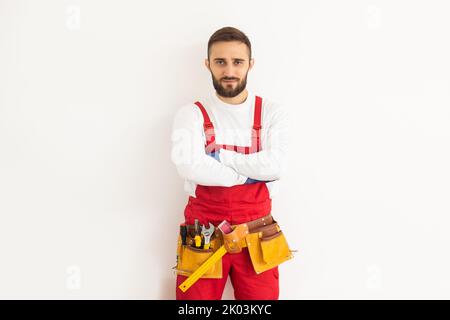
190 258
267 247
233 240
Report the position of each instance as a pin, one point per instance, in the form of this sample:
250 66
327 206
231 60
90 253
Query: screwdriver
183 233
197 238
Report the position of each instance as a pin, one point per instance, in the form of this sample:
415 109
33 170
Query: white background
90 201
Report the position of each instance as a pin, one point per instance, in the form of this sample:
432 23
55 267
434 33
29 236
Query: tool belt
263 238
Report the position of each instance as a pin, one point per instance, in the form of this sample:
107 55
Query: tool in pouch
207 233
197 238
183 233
232 243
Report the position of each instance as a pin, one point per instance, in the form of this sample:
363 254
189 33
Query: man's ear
251 63
207 64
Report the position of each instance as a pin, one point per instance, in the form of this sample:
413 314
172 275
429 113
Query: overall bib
237 204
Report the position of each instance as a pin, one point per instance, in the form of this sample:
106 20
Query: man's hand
215 154
250 181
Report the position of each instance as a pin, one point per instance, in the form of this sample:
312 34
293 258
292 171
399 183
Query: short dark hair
229 34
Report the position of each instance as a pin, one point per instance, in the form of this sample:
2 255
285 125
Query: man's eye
222 62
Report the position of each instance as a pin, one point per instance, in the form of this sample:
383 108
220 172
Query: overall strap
256 131
208 128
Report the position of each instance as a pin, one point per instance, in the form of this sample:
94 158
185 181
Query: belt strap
252 225
258 223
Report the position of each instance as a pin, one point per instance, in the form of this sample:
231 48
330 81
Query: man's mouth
229 81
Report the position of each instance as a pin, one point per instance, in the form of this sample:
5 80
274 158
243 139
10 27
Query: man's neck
240 98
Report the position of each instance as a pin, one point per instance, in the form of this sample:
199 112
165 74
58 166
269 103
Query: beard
229 91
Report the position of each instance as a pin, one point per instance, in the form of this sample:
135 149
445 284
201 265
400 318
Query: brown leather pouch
267 231
267 247
233 240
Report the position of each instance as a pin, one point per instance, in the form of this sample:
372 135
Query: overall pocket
267 252
190 258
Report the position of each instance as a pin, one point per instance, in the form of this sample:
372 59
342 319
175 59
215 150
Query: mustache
229 79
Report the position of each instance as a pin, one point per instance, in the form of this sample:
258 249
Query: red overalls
237 204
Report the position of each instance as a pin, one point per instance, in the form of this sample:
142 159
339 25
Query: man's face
229 65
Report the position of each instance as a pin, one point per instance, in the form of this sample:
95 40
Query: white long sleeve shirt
232 126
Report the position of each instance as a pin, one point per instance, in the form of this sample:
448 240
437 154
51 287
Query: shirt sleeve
269 163
188 152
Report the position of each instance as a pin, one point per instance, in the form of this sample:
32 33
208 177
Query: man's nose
229 72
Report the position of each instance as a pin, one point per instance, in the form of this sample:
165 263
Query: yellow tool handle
198 241
202 269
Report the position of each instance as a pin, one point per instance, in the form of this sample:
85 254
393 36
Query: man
230 149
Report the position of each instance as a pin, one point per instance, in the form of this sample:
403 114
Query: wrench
207 233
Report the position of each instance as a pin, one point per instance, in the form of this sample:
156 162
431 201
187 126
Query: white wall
90 202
